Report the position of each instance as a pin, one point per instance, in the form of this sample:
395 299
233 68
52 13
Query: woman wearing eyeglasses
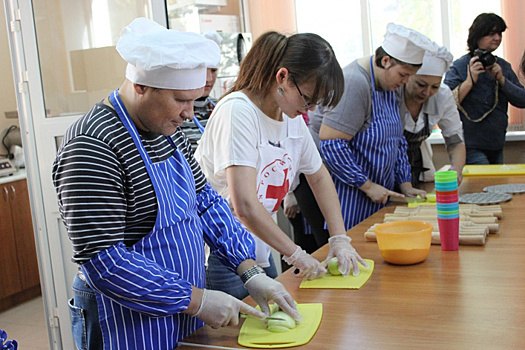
256 142
361 140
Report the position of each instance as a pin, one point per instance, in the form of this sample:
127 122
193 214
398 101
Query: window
339 21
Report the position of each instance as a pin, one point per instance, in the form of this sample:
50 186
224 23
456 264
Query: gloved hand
263 289
219 309
347 256
308 267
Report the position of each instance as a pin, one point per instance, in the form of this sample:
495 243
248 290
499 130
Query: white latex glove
347 256
219 309
308 267
263 289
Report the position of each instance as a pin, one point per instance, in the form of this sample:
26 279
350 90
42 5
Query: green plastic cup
446 176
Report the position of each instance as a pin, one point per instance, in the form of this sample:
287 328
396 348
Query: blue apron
175 243
375 150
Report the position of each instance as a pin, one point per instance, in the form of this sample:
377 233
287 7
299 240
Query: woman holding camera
483 86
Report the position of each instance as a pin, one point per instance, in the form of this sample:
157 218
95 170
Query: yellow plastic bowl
404 242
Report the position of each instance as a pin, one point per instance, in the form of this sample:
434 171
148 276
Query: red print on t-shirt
274 182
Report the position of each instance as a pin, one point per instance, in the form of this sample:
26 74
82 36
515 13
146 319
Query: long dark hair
483 25
307 56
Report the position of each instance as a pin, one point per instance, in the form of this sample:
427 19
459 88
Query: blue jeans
481 157
218 277
84 317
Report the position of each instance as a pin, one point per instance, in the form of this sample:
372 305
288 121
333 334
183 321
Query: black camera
485 57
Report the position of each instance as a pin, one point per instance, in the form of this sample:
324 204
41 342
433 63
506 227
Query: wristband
252 271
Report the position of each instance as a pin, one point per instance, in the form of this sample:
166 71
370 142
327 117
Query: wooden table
473 298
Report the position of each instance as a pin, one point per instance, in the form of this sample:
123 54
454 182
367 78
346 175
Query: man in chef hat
138 210
361 139
204 105
424 102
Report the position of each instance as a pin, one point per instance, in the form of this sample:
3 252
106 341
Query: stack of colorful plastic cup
447 203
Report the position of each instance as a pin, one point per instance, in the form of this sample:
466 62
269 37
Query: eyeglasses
306 104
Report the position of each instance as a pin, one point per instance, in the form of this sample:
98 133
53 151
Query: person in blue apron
361 139
203 106
424 102
138 209
256 142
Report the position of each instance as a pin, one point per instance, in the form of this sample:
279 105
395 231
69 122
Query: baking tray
484 197
506 188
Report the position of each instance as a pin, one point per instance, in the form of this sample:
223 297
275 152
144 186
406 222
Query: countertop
18 175
436 138
466 299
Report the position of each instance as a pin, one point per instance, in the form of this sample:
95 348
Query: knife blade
407 199
262 319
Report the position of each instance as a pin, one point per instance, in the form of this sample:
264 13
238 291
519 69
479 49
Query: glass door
64 61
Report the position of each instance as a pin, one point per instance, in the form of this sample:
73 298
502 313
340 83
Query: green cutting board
329 281
494 169
254 333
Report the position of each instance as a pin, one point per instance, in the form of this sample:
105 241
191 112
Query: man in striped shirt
138 209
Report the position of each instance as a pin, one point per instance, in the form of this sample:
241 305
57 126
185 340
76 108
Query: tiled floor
26 323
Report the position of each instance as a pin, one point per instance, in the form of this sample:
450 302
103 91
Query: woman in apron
138 209
424 102
254 146
361 140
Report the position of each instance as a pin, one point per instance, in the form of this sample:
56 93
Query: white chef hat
436 64
405 44
216 38
166 58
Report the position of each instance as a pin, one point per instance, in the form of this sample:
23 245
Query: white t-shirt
239 133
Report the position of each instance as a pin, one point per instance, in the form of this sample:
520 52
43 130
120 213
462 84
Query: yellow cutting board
329 281
254 333
494 169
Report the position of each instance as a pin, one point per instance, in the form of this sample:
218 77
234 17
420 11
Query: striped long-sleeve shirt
105 195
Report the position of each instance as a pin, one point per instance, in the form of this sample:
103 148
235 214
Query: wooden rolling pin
432 209
470 209
463 230
474 219
490 228
470 239
491 222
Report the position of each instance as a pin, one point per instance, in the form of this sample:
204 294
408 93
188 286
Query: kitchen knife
263 319
407 199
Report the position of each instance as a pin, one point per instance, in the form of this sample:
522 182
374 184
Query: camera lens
486 58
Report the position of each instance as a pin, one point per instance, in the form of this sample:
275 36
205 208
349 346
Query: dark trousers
311 212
